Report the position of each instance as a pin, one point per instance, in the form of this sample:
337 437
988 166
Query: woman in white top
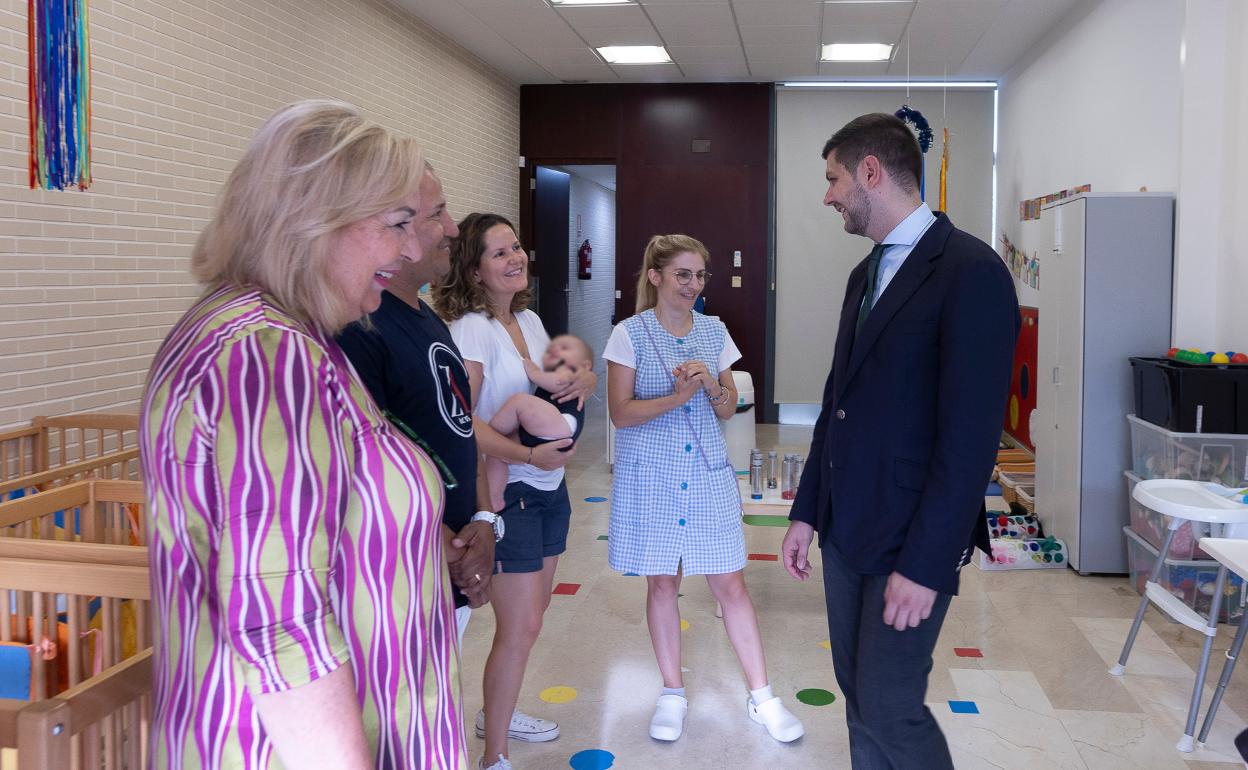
484 298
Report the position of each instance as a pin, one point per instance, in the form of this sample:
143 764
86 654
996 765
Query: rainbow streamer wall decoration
60 94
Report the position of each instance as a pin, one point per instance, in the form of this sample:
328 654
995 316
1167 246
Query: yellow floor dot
684 625
558 694
826 644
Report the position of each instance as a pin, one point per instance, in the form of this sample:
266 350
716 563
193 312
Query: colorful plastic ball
1239 358
1220 358
1171 352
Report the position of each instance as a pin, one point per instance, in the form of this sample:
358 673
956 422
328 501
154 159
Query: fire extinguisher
584 260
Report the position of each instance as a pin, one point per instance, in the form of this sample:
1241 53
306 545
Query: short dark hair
886 137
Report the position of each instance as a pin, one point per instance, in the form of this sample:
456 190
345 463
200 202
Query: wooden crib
54 450
101 721
74 592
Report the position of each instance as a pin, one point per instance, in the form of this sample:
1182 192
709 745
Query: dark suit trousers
882 672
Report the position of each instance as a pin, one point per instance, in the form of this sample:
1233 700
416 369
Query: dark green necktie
873 280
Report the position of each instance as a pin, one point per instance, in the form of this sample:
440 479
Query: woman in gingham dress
675 508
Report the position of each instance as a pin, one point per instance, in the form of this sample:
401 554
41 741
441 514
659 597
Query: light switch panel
736 259
736 282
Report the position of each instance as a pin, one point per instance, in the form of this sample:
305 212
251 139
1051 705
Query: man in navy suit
905 442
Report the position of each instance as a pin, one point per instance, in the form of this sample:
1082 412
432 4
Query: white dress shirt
899 243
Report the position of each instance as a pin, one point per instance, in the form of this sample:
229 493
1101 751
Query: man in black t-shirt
410 364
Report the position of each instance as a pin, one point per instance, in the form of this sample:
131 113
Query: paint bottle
798 465
773 469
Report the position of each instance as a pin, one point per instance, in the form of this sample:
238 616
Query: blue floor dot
592 759
595 499
631 574
963 707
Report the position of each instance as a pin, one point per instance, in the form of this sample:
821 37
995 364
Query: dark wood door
550 241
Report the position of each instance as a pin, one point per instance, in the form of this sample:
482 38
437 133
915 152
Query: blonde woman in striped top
303 616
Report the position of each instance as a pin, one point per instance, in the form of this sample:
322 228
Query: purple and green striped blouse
292 531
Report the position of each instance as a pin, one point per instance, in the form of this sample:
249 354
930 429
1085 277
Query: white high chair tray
1190 500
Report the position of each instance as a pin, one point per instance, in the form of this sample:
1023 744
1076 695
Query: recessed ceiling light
593 2
635 54
857 52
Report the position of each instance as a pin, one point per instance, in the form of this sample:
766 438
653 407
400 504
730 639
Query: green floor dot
765 521
815 697
602 537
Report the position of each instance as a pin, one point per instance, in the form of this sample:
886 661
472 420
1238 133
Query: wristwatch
494 520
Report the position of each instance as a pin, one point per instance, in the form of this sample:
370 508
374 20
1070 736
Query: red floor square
967 652
566 589
763 557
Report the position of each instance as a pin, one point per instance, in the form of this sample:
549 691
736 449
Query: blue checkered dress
674 505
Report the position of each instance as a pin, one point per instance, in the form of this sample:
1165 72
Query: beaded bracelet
721 399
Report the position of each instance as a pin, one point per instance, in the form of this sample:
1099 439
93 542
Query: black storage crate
1191 398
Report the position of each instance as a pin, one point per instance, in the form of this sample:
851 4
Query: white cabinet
1105 292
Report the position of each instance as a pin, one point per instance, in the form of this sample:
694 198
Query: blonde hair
313 168
459 292
659 253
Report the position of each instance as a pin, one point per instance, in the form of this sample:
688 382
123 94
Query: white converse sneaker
501 764
779 721
524 728
668 721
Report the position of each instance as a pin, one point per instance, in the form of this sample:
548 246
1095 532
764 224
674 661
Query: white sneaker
779 721
668 721
524 728
501 764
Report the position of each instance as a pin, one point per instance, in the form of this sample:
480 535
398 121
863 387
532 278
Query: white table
1233 554
772 503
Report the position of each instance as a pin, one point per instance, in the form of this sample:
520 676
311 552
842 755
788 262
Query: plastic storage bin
1012 482
1158 453
1190 580
1191 398
1151 526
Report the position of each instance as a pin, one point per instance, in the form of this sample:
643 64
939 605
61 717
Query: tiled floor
1041 688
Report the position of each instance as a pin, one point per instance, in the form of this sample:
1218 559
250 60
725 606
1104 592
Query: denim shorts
536 527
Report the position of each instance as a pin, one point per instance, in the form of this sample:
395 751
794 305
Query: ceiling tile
779 35
868 13
490 5
649 73
527 35
853 69
621 36
705 54
604 16
751 13
695 24
784 53
716 70
863 33
772 70
598 73
564 57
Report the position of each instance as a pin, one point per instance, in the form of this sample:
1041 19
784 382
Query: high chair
1180 501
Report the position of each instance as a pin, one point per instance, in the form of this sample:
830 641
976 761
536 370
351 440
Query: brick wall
91 281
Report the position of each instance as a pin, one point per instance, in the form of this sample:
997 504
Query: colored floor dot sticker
967 652
558 694
763 557
592 759
826 644
684 625
758 520
815 697
595 499
963 707
566 589
631 574
743 473
602 537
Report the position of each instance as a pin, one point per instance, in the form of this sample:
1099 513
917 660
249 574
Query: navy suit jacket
912 412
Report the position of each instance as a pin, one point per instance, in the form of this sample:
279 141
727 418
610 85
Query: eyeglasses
448 478
683 277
